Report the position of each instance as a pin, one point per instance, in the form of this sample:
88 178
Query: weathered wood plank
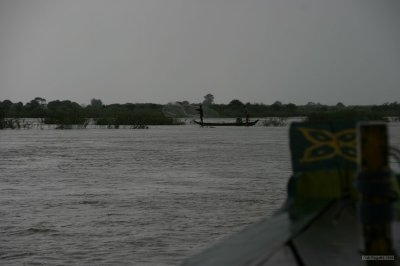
258 242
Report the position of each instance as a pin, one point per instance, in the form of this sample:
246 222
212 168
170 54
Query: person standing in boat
247 115
200 109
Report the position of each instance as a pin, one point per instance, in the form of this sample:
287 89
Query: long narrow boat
342 207
235 124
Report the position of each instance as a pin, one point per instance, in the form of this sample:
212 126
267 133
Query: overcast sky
173 50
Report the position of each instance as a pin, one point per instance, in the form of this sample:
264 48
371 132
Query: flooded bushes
275 122
16 123
134 119
66 120
7 123
345 115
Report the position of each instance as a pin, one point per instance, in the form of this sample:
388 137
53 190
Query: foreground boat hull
326 219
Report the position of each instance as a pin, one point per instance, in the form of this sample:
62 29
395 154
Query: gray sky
173 50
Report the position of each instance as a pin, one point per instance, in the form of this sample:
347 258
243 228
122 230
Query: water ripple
131 197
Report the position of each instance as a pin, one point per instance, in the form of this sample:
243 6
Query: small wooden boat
235 124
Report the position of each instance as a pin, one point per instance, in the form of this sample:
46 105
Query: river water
134 197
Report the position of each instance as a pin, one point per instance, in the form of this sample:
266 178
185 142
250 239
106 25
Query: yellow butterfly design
327 144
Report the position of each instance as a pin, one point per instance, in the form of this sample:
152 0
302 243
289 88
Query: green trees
236 103
96 103
208 99
64 113
67 112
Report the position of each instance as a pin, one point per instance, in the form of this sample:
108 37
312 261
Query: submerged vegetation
67 114
275 122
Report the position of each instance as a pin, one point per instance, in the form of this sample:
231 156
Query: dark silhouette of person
200 109
247 114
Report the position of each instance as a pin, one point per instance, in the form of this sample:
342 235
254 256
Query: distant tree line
312 111
69 113
66 112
